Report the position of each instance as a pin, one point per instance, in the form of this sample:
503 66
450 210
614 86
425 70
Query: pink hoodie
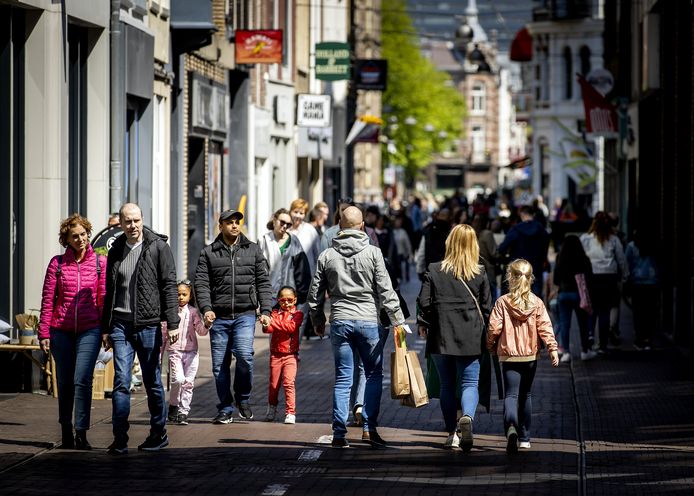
515 334
74 299
188 338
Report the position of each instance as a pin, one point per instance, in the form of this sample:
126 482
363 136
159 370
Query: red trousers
283 366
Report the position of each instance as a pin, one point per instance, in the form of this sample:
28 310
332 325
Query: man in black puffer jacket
231 283
140 293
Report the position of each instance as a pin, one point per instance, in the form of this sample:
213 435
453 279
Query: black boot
81 442
68 440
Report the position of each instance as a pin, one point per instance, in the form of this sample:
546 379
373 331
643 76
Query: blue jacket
528 240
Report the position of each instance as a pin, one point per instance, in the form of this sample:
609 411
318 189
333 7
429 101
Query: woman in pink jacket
71 306
518 322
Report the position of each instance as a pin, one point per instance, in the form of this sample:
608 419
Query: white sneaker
565 358
588 355
453 441
524 445
271 413
290 419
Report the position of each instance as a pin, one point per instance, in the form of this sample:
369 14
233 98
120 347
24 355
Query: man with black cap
231 284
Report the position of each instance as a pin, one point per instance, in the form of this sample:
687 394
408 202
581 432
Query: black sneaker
154 442
223 418
339 442
245 411
118 447
173 413
511 440
373 439
182 419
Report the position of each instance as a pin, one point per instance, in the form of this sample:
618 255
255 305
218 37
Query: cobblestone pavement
620 425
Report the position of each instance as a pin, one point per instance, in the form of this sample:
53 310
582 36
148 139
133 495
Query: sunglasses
284 224
345 200
185 282
286 300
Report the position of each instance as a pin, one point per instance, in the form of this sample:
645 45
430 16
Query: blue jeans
568 302
227 337
146 342
367 339
518 405
451 368
356 395
75 355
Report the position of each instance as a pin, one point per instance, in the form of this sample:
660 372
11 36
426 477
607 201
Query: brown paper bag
418 388
399 377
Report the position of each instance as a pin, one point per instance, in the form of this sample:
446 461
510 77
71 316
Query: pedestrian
113 219
287 262
489 253
528 240
184 358
609 269
354 275
454 304
643 286
232 285
519 321
140 290
403 248
307 234
572 261
285 325
71 305
319 216
432 247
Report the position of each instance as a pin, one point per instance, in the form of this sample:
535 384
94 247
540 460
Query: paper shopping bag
418 389
399 377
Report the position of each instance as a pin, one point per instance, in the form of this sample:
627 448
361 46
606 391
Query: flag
601 115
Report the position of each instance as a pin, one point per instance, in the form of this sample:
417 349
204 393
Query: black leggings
518 407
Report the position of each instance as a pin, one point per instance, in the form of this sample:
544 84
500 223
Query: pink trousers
184 367
283 366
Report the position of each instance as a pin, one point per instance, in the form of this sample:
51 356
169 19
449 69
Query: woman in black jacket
454 305
571 261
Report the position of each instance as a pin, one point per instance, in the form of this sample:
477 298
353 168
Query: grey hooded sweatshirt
355 277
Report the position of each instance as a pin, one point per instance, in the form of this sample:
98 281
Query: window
478 95
568 74
584 55
478 144
77 119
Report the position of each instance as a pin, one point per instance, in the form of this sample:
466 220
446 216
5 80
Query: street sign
332 61
313 110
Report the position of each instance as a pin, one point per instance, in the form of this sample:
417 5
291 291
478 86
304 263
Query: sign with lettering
332 61
313 110
258 46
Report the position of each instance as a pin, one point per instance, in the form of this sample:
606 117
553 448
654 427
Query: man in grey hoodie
354 275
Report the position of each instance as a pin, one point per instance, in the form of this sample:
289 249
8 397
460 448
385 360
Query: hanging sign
259 46
313 110
332 61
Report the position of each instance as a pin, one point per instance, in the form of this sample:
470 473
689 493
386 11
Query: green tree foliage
415 89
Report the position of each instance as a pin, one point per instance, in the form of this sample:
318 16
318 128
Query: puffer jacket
285 331
230 280
74 299
156 295
514 334
194 327
354 275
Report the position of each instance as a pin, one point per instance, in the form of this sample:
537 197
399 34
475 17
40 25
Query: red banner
258 46
601 115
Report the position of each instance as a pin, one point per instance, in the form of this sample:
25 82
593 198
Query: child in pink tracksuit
183 356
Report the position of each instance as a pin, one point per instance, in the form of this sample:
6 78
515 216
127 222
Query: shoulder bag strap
479 310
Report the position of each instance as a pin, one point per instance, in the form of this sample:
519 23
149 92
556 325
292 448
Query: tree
423 111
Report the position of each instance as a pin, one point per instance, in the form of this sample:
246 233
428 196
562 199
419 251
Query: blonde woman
454 305
518 322
307 234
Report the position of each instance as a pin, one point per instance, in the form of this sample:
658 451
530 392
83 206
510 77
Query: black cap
228 214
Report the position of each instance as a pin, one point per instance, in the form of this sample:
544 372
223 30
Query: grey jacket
355 277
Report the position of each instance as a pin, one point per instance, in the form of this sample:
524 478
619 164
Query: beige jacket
514 334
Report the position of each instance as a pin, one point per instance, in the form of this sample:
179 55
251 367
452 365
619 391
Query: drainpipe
117 109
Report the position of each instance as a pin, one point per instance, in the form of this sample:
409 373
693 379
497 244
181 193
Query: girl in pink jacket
518 322
69 327
183 355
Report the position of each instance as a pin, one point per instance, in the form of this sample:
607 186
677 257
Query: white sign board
313 110
315 142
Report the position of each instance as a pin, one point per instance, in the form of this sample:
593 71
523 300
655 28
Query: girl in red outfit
284 350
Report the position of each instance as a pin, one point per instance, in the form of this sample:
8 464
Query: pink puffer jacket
74 299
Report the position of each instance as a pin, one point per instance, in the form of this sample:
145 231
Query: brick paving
634 418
